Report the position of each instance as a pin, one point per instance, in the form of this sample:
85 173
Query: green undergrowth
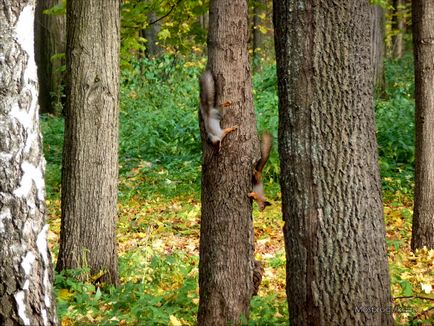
159 198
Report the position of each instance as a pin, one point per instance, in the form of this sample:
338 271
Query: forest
216 162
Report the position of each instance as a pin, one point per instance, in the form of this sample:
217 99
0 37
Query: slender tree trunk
259 38
226 239
150 34
423 37
26 296
398 27
337 270
90 168
50 39
378 49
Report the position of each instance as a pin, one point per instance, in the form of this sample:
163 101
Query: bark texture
226 239
26 296
90 168
50 39
423 37
337 270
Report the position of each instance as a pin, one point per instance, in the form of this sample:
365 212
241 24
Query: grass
159 204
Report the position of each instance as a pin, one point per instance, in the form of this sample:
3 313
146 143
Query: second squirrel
258 193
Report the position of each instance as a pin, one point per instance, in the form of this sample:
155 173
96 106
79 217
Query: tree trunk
90 168
50 39
398 28
226 239
423 37
337 270
150 34
26 294
378 49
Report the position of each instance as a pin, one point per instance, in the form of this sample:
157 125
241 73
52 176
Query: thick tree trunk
226 240
398 27
378 50
26 296
423 37
337 270
90 168
50 39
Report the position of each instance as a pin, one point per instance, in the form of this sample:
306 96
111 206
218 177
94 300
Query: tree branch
167 14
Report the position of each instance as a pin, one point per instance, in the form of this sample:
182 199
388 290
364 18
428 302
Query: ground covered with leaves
159 205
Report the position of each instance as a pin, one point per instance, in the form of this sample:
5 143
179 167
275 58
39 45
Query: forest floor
158 241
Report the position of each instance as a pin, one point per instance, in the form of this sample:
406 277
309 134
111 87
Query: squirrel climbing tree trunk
226 237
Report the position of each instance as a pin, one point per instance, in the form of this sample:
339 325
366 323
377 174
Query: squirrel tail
266 144
207 90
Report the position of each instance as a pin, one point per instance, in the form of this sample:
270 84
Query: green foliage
58 9
180 29
52 128
395 125
136 299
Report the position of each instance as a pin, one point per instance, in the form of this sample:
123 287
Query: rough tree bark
90 168
337 270
423 38
226 239
26 296
50 39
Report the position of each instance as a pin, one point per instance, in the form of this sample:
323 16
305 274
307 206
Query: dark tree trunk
337 270
26 295
423 37
90 168
150 34
378 50
398 28
50 39
226 239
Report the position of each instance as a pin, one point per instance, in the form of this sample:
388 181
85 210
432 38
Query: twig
167 14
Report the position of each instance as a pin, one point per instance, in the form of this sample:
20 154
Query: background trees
226 238
331 198
90 154
50 46
423 36
26 296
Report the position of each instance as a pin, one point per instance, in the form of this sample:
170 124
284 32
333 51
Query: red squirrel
211 114
258 193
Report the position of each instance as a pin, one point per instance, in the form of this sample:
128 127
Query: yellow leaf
65 294
173 321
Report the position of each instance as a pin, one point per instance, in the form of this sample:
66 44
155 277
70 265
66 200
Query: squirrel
258 193
211 114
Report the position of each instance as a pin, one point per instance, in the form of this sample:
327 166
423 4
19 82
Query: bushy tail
266 144
207 90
